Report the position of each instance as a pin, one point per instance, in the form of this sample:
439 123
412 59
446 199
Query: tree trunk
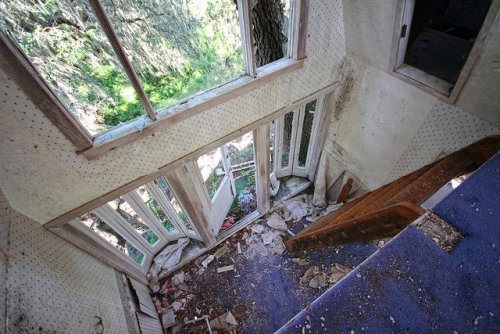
268 21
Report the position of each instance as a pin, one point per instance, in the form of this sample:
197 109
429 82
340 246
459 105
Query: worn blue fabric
411 285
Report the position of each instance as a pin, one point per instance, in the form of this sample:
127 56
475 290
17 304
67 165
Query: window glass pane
271 30
163 185
67 46
133 219
179 48
103 230
155 207
306 132
241 154
212 171
287 139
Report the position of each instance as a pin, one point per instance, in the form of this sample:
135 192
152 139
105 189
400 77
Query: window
436 39
106 63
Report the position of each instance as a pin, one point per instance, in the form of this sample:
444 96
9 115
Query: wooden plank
18 67
195 105
185 192
327 106
89 206
148 324
145 302
122 57
247 37
383 223
299 33
128 307
262 150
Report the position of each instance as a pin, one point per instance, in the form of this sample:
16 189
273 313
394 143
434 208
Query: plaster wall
42 177
370 28
51 286
382 127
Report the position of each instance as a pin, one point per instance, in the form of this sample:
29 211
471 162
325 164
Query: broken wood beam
413 188
380 224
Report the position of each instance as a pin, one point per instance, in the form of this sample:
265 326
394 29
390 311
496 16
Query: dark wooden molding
18 67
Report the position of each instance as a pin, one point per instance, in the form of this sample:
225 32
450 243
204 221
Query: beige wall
382 127
43 178
50 286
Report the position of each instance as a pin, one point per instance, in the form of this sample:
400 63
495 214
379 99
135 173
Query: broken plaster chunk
238 247
257 228
207 261
168 318
221 251
278 246
178 278
224 269
300 261
297 210
277 223
176 306
268 237
226 322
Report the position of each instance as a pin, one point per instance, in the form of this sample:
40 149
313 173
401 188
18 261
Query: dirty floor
264 289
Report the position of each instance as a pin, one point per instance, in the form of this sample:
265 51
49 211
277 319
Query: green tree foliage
177 48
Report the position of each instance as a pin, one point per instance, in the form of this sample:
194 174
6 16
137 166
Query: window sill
431 84
143 126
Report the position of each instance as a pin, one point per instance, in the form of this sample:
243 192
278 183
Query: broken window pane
271 30
67 46
212 171
156 209
287 139
103 230
165 188
179 48
133 219
306 132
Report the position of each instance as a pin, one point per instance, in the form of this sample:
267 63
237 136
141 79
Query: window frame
416 77
18 67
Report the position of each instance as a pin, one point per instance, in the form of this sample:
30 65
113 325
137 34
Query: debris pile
165 261
316 278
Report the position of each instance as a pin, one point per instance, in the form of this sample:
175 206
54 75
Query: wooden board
149 325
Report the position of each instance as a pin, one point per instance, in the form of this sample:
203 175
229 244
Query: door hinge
403 30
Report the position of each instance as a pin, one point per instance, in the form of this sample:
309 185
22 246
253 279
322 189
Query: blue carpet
411 285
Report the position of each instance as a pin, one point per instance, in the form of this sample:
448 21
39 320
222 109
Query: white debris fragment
176 306
275 184
277 223
257 228
178 278
238 246
392 319
300 261
168 257
207 261
224 269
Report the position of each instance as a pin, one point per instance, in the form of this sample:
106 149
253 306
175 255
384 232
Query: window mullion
122 57
245 14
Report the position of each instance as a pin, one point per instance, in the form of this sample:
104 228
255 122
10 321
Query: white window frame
19 67
436 86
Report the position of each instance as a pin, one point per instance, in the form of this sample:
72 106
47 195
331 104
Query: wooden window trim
18 67
427 82
162 171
